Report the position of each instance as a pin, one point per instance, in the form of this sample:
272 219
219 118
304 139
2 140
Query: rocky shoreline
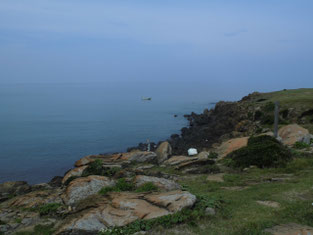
106 191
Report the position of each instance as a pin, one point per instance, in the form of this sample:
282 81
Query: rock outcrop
119 158
81 188
120 209
9 189
163 152
161 183
291 134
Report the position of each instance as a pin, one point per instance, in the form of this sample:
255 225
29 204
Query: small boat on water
146 98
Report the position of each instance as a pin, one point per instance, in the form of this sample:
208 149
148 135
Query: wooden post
276 119
148 147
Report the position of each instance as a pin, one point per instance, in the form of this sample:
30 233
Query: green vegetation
301 145
189 216
262 151
147 187
213 155
269 107
96 168
38 230
18 220
241 214
121 185
49 208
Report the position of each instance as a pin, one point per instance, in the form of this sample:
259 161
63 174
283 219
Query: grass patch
38 230
147 187
121 185
49 208
301 145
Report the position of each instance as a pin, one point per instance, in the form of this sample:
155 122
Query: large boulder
293 133
120 209
231 145
81 188
163 152
9 189
76 172
161 183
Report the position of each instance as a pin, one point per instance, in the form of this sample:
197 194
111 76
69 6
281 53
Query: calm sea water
45 128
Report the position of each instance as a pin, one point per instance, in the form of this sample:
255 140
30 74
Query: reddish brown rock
163 152
120 209
291 134
76 172
231 145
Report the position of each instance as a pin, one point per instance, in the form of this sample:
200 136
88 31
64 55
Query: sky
248 44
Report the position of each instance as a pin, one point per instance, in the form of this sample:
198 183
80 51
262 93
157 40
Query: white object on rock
192 151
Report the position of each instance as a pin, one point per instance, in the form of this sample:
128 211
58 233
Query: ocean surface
45 128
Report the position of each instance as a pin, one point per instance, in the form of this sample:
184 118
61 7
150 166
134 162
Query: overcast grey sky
258 44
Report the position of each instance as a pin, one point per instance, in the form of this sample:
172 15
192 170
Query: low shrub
121 185
49 208
38 230
301 145
147 187
96 168
213 155
262 151
269 107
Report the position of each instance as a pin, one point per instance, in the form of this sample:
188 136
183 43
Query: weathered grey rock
120 209
163 152
210 211
81 188
269 204
161 183
142 157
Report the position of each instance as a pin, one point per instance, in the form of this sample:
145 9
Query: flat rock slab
120 209
119 158
216 177
290 229
161 183
34 199
235 188
269 204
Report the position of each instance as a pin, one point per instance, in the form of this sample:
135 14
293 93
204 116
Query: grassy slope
292 98
240 214
299 99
